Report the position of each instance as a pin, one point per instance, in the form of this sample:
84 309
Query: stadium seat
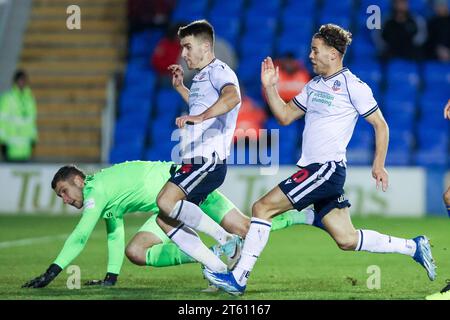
343 20
141 44
362 47
227 8
401 143
266 6
168 103
187 10
254 49
124 153
225 27
420 7
399 113
248 70
384 5
291 43
289 137
343 7
436 75
401 73
368 71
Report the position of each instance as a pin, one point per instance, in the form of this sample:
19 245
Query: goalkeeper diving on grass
133 187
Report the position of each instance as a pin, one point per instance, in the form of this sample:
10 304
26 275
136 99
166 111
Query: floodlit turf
300 262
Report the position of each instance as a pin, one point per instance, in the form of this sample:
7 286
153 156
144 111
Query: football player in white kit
214 101
331 103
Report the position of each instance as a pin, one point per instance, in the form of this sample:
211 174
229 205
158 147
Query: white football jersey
332 107
215 134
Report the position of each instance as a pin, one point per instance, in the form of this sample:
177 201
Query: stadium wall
25 189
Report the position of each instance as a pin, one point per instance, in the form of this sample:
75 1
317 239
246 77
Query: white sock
255 241
373 241
309 215
190 243
194 217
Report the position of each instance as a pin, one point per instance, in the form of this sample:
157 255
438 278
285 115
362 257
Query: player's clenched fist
177 75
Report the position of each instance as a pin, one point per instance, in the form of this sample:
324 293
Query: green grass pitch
300 262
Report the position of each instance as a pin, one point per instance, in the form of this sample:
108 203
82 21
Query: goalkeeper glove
110 280
44 279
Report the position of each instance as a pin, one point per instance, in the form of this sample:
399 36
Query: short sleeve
222 76
301 99
362 99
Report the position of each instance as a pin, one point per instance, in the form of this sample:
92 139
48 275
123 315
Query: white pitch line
29 241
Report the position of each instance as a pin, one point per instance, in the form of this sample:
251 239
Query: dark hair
19 74
198 28
66 172
334 36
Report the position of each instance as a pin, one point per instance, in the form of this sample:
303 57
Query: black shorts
318 184
198 177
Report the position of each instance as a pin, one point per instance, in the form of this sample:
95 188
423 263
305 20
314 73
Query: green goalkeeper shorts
215 206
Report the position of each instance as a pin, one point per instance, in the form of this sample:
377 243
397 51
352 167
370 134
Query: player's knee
260 210
135 254
447 197
165 205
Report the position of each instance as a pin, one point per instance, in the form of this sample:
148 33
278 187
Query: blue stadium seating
141 44
289 137
248 70
402 73
384 5
432 146
343 7
400 146
369 71
225 27
360 147
264 7
437 75
260 28
168 103
187 10
255 49
227 8
341 20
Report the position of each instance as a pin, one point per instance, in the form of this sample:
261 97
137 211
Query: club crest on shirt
336 86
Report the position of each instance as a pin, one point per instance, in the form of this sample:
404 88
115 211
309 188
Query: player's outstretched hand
109 281
447 110
381 176
269 74
44 279
177 75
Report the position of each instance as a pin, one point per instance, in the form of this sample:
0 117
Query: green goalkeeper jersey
109 194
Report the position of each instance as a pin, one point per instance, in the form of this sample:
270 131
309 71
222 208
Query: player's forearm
184 92
226 102
72 248
381 143
276 104
116 248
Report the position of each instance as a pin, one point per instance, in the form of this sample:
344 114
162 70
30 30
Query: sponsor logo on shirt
322 98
